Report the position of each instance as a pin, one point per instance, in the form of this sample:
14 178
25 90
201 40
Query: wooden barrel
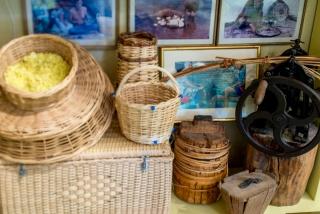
291 174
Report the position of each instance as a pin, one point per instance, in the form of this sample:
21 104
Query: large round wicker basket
17 49
147 110
137 49
62 131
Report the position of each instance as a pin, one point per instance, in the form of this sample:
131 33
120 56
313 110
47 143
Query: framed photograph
175 22
90 23
260 21
215 91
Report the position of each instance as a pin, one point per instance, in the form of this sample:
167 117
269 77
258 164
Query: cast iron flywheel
279 117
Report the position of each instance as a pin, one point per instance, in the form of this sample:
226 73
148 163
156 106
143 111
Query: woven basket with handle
20 47
137 49
147 110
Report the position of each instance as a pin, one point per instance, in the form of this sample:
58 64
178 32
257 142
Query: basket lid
202 133
114 145
201 127
244 185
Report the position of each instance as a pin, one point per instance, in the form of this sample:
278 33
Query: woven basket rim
67 80
146 106
7 133
124 39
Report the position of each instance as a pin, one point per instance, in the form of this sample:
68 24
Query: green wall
315 39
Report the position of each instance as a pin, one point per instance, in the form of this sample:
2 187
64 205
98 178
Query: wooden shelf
306 204
310 202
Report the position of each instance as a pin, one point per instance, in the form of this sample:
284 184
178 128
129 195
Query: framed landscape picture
215 91
90 23
175 21
260 21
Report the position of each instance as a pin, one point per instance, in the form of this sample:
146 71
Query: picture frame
214 92
260 21
90 23
175 22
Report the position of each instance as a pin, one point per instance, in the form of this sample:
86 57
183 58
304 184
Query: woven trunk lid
115 145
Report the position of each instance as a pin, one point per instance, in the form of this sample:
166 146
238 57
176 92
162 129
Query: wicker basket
18 48
147 110
64 130
137 50
116 176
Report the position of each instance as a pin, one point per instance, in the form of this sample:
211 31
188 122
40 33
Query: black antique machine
288 107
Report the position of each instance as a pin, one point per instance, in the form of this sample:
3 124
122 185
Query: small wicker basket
137 49
147 110
18 48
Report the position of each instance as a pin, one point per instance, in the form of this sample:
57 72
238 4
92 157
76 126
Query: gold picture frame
174 35
198 98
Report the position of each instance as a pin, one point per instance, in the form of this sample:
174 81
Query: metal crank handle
260 92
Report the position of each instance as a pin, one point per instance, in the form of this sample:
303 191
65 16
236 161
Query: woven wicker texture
92 182
115 145
124 67
137 50
17 49
147 110
60 132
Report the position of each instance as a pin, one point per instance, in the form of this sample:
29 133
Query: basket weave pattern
137 50
65 130
17 49
105 179
147 110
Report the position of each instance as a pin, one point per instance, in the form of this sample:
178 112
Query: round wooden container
218 148
200 165
201 161
198 172
195 189
17 49
137 49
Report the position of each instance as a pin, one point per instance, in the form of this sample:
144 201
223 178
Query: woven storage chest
114 176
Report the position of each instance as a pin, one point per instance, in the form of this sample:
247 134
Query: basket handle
148 67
